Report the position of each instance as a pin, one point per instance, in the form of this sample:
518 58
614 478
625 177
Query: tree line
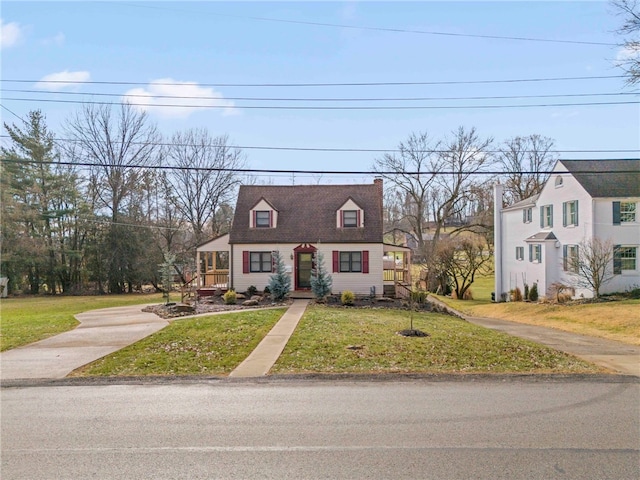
105 228
95 213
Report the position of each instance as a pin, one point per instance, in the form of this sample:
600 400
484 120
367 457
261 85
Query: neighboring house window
570 258
570 213
624 212
260 262
527 215
519 253
559 181
535 252
624 258
349 218
546 216
354 262
262 219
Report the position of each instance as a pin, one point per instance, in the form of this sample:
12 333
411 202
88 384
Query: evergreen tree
321 281
279 282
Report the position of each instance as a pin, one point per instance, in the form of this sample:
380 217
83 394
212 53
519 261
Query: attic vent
558 181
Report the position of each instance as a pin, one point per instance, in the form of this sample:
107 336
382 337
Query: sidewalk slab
265 355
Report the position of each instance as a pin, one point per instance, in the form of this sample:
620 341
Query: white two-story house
537 238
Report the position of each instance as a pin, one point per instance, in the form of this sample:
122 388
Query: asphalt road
309 429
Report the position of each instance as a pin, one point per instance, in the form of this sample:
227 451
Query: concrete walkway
260 361
617 356
100 333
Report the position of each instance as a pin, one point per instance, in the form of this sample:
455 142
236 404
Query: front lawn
344 340
211 345
29 319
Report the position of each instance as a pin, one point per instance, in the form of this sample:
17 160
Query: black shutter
616 213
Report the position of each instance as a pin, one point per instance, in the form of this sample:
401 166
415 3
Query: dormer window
349 218
263 218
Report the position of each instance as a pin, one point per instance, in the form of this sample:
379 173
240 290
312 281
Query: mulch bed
216 304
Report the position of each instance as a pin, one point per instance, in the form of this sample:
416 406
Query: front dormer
350 215
263 215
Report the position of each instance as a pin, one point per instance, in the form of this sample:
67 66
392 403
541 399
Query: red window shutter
365 261
358 218
245 262
255 219
270 219
341 219
336 261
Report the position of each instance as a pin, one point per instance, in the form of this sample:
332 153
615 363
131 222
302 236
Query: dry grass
616 320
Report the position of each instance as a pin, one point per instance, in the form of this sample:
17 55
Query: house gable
350 215
263 215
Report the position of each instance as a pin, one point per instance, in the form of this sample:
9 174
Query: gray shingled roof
607 178
307 214
542 236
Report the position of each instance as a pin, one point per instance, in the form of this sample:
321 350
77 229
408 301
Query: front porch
213 266
397 271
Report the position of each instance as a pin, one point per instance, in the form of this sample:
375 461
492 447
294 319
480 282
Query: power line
283 99
347 84
336 149
384 29
308 172
333 107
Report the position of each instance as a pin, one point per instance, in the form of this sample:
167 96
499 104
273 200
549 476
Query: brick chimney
378 182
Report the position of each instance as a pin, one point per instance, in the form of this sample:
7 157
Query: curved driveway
100 333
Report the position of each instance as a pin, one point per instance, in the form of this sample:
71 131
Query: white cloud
189 98
628 52
62 80
57 40
10 34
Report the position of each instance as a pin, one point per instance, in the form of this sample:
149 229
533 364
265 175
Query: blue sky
214 49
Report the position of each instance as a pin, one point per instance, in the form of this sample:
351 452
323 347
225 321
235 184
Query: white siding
359 283
595 218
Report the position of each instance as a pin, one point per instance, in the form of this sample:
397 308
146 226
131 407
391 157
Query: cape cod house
537 238
343 222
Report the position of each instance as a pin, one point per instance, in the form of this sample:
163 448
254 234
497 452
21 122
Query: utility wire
333 107
276 99
307 172
383 29
335 149
348 84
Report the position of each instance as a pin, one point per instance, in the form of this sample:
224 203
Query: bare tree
525 161
629 57
460 259
205 178
119 142
412 173
464 155
593 264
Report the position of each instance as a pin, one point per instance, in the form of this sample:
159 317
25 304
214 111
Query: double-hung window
263 219
546 216
349 218
570 213
624 212
350 261
624 258
260 262
519 253
535 252
570 258
527 215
